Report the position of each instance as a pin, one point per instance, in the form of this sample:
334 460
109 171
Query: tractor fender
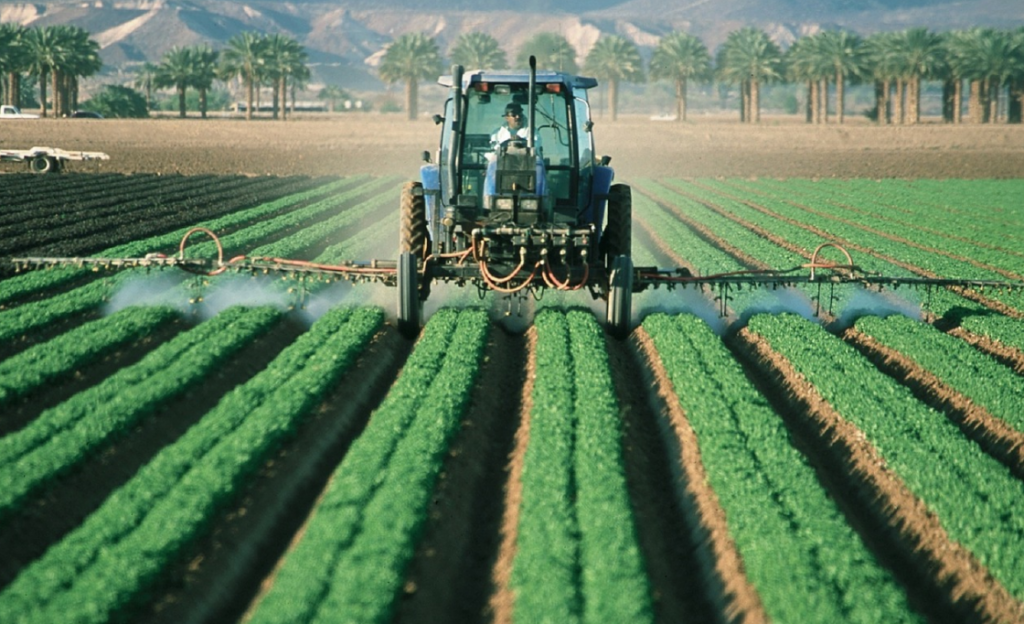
430 175
600 184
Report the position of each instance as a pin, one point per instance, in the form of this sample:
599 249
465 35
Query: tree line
982 66
989 61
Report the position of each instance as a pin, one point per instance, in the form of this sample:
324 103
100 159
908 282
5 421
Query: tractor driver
515 127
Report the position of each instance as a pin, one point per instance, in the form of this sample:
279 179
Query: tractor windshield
553 137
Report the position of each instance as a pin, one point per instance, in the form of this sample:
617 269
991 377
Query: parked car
86 115
13 112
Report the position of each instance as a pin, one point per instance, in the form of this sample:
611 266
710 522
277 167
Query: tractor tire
44 164
413 236
408 295
620 297
617 239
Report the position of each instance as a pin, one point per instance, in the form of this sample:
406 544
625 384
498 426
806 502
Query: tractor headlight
503 203
529 203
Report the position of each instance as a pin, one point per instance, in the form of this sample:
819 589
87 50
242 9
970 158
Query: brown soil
728 584
502 600
943 578
449 580
380 143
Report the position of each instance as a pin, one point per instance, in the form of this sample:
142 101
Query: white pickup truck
13 112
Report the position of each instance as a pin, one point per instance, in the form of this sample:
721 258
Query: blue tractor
535 211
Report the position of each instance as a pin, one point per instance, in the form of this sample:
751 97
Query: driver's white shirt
504 134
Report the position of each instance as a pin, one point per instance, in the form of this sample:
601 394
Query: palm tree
805 63
613 59
1015 107
411 58
80 58
144 78
882 63
242 58
749 57
284 57
919 56
204 71
176 69
333 94
478 50
841 51
553 51
13 60
44 53
956 47
680 57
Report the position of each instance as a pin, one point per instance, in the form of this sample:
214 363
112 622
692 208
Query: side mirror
426 156
588 126
438 119
605 160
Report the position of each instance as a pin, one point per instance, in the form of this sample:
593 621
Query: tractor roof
520 77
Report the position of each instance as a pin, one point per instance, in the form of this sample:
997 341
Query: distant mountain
344 40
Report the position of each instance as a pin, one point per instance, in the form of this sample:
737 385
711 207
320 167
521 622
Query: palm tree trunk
823 100
840 95
202 102
974 106
613 98
1015 106
411 95
813 113
42 93
181 102
881 102
681 99
744 101
283 90
248 97
912 106
897 111
755 101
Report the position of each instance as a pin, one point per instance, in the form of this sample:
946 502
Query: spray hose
302 264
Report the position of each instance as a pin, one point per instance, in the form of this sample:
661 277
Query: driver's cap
513 109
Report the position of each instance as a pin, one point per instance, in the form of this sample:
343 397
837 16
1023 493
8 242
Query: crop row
19 286
800 553
976 499
351 560
102 567
135 217
37 314
796 231
68 433
575 508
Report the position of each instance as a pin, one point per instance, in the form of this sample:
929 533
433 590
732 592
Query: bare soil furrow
725 581
501 602
450 578
673 559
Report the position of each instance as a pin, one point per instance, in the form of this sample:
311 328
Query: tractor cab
542 174
514 200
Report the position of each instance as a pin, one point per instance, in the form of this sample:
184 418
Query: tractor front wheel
408 295
413 236
617 239
620 297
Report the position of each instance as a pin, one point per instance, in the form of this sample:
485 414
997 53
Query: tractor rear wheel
408 295
617 239
413 234
620 297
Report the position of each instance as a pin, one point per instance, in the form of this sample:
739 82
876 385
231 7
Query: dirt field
375 143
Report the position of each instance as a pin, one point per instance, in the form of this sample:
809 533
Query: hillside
344 40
